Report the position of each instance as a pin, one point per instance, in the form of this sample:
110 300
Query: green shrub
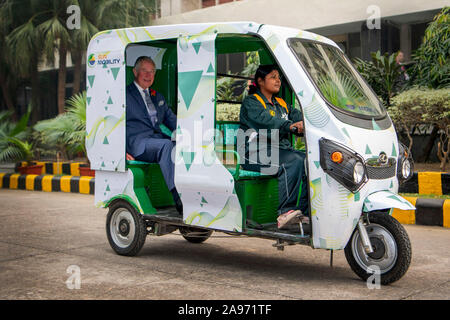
227 112
432 58
382 73
420 105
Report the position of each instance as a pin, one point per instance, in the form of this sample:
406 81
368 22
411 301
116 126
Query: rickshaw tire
194 239
404 251
140 231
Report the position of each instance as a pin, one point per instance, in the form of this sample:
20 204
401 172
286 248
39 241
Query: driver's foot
288 218
291 217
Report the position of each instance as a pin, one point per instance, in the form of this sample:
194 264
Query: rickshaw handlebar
295 132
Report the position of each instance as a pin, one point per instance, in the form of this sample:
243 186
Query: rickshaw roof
160 32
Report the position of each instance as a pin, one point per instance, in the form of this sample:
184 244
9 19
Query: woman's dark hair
261 72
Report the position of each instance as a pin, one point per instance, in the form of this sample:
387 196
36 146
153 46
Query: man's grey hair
141 59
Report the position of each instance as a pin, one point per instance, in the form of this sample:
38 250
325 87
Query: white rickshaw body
208 189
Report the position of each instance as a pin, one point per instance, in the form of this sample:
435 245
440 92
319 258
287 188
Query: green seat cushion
137 162
246 174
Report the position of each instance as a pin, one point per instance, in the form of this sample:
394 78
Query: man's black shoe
179 206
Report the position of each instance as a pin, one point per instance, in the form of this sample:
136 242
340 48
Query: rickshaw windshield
336 78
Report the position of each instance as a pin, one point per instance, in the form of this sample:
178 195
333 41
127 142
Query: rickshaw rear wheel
195 235
125 228
391 254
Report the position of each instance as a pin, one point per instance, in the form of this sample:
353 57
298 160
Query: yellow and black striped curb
427 183
49 183
69 168
429 212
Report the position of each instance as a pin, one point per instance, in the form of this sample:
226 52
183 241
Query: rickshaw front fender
385 200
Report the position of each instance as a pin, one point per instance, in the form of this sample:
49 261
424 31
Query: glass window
335 77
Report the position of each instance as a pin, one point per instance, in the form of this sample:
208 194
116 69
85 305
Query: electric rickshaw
354 162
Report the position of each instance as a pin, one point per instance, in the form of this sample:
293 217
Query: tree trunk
427 150
62 77
7 96
35 101
444 148
77 57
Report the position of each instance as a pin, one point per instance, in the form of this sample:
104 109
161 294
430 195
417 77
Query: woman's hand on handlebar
296 127
129 157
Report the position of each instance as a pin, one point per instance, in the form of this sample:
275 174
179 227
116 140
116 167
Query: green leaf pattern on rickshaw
316 198
228 216
102 128
316 114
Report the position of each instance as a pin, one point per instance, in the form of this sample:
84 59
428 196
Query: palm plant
21 47
51 16
67 131
125 13
13 144
339 91
89 26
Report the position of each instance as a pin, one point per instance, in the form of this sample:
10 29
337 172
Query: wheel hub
378 248
124 227
384 253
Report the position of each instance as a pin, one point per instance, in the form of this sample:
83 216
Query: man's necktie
150 107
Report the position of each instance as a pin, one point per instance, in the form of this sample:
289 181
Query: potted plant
13 144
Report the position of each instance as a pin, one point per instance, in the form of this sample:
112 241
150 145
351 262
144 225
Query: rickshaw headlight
358 172
343 164
405 167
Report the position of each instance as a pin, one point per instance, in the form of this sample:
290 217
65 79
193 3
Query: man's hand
298 126
129 157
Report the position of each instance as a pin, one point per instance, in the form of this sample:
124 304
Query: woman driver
267 115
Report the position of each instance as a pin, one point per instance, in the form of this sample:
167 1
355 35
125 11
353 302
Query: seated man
146 110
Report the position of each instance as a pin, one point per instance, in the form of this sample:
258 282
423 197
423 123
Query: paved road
42 234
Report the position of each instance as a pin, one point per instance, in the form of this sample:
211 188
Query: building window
208 3
212 3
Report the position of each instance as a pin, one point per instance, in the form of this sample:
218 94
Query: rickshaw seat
149 177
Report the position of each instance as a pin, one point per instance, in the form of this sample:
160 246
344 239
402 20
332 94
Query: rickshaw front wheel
391 254
195 235
125 228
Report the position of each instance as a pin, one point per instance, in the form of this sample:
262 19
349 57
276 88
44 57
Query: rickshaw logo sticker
91 60
102 59
383 159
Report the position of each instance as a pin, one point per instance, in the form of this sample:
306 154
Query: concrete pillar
190 5
405 41
370 41
166 8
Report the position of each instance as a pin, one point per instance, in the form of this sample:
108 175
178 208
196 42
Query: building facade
358 26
